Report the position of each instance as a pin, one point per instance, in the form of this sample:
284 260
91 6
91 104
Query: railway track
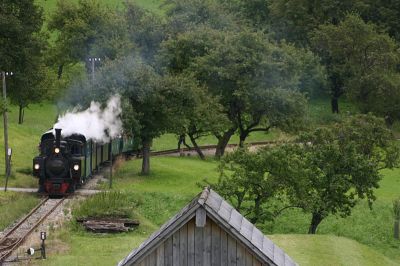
210 147
18 233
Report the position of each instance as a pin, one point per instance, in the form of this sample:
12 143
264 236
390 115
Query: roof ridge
204 195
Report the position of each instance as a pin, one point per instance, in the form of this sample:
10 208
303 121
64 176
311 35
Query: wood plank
160 255
183 246
257 238
201 217
240 255
231 251
152 258
168 252
175 248
279 256
224 248
268 247
215 244
225 211
190 241
236 220
246 229
198 245
249 259
207 243
256 262
214 201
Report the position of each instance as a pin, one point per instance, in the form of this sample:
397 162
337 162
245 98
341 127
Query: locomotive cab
58 166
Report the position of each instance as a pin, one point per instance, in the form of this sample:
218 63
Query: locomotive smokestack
58 137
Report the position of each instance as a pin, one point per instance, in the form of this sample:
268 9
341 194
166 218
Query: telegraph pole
93 60
5 118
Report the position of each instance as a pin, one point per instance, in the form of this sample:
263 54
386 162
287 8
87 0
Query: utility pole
93 60
5 118
111 163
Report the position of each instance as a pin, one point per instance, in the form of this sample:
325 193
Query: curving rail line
210 147
18 233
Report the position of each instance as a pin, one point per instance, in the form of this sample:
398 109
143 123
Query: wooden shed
208 231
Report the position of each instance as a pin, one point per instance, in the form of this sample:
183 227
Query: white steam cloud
94 123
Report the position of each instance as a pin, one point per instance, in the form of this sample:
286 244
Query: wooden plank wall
200 246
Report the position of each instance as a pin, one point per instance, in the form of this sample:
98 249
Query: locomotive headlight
36 166
57 150
76 167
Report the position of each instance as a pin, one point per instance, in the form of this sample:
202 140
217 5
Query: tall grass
107 204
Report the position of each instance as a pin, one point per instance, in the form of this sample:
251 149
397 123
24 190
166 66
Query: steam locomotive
65 163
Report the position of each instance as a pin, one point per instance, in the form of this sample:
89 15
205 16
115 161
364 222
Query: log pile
108 225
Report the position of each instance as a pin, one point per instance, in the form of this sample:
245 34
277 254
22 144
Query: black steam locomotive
66 163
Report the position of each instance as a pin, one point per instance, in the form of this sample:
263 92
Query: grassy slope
171 185
14 205
24 139
329 250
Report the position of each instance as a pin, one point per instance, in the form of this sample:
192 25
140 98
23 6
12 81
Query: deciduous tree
22 45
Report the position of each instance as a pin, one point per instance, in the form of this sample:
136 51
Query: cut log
102 227
108 225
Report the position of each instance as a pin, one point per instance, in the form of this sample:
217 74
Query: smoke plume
94 123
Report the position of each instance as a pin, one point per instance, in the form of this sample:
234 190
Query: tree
255 12
145 30
22 46
197 113
339 165
246 179
87 29
324 172
146 107
293 20
383 13
360 61
188 15
258 82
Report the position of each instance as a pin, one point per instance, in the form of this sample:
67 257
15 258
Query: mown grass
24 140
14 205
329 250
173 183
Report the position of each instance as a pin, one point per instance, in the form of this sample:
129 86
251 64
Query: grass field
173 183
14 205
329 250
24 139
50 5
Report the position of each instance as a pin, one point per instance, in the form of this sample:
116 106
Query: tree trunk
21 115
196 147
60 71
146 157
257 209
242 138
396 229
335 104
223 142
315 221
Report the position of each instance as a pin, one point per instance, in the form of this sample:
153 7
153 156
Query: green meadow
364 238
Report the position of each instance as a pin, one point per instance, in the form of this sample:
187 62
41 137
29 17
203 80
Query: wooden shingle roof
228 218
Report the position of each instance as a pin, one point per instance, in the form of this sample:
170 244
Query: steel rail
209 147
10 248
